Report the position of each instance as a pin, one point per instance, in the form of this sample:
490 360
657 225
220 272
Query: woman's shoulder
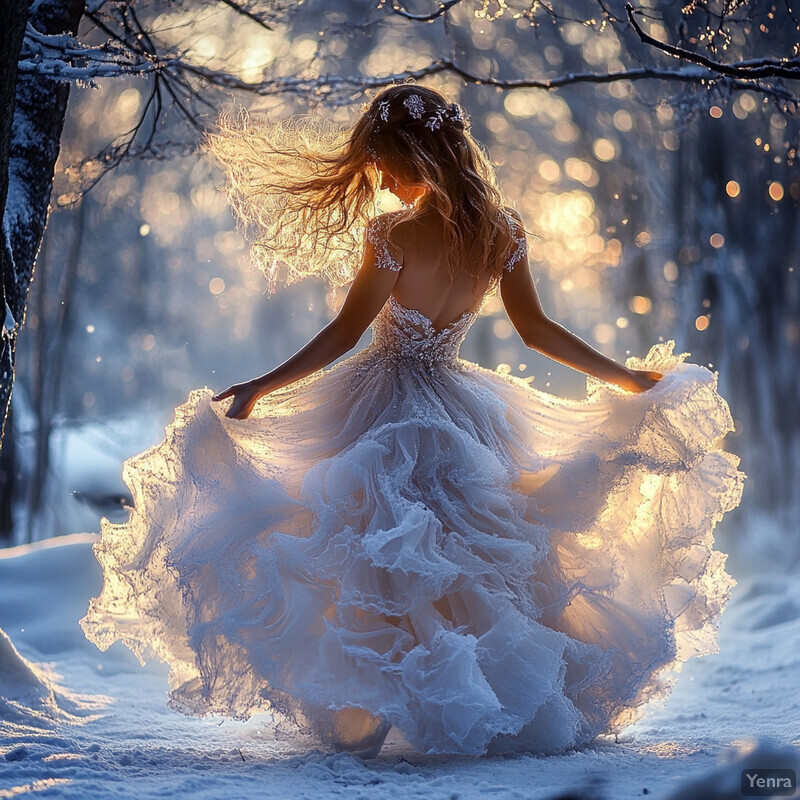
381 234
513 217
513 242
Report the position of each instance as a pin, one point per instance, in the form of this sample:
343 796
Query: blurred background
660 211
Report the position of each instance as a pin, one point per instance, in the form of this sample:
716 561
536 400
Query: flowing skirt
489 567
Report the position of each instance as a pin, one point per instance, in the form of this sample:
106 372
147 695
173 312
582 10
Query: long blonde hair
304 190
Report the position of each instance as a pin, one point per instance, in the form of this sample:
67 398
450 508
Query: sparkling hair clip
451 112
416 108
414 105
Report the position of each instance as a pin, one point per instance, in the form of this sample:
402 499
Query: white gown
489 567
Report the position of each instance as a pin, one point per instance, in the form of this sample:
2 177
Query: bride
408 539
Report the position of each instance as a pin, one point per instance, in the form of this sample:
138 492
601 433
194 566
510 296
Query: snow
78 723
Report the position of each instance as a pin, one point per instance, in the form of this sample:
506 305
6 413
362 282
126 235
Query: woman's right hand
639 380
245 396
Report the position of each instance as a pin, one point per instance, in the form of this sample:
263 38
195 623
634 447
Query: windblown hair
305 190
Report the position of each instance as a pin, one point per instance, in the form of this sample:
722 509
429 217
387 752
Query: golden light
671 140
642 239
304 47
144 229
148 342
492 305
747 102
604 149
717 240
715 112
701 323
622 322
497 123
580 170
502 329
128 102
665 113
623 121
216 286
640 304
591 541
521 103
549 170
732 188
603 333
565 132
776 191
670 271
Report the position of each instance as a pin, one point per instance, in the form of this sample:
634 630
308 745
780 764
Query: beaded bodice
405 333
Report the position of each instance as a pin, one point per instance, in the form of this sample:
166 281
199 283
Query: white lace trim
377 236
520 250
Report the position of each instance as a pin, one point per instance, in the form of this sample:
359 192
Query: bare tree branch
443 8
242 9
747 70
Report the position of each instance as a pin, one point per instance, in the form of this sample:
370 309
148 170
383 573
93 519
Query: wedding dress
486 566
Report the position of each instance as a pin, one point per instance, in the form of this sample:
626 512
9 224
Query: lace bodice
406 333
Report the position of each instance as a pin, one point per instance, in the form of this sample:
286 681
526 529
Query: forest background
652 151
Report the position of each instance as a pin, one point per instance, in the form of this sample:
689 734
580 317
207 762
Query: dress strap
521 249
378 237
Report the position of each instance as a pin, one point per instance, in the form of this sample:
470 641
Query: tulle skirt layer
488 567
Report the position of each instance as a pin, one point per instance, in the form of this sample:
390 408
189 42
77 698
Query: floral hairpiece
438 115
416 108
414 105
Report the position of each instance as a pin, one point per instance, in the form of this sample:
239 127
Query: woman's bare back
425 283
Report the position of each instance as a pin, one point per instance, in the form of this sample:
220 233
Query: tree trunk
13 18
32 110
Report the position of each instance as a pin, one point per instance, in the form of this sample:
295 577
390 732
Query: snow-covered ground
78 723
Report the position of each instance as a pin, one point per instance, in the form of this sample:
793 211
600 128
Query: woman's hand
245 396
639 380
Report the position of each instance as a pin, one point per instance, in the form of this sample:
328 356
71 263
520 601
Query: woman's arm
541 333
365 298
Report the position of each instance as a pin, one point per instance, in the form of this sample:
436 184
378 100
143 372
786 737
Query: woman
408 539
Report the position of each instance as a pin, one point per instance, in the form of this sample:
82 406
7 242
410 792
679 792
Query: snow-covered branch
67 58
339 89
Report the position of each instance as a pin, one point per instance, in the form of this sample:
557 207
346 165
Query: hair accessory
383 110
414 105
454 113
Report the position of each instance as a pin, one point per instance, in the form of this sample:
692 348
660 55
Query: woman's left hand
639 380
245 396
